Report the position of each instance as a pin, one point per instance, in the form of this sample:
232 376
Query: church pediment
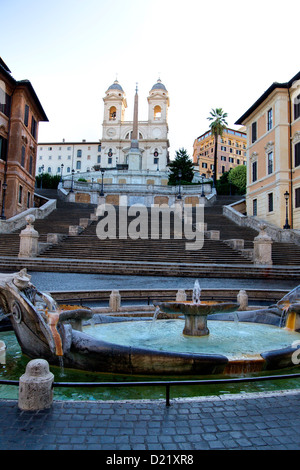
114 98
157 96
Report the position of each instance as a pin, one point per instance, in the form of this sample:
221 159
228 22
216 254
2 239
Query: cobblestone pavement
269 421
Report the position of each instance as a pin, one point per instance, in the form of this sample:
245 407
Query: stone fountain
196 312
45 331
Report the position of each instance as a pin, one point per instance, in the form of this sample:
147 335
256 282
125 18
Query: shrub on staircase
48 181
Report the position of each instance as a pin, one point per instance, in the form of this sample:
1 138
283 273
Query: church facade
111 153
152 134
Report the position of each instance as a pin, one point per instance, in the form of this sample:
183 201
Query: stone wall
276 234
19 221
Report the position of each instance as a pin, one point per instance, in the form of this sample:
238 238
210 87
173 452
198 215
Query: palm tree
217 126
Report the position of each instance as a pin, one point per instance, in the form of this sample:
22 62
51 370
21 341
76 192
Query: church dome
159 85
115 86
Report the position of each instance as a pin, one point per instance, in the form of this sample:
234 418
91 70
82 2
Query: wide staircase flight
87 246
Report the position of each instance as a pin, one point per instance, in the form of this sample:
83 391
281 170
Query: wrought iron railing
164 383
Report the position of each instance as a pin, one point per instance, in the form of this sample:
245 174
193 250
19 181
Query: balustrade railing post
167 395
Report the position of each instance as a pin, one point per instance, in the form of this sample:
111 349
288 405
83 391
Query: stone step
155 269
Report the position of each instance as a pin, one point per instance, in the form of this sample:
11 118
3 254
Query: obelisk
134 138
135 155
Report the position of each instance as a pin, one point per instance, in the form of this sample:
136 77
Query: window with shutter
297 107
23 156
255 207
270 202
254 171
26 115
33 127
3 148
297 197
270 119
297 154
254 132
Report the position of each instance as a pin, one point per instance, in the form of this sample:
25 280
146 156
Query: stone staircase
144 256
88 246
58 221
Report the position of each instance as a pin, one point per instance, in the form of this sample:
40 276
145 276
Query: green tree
183 163
48 181
238 177
218 125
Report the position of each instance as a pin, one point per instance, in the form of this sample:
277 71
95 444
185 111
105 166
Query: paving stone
152 426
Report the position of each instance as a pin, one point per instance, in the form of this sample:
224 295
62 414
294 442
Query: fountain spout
196 293
53 319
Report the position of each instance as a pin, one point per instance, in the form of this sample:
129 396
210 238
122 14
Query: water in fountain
61 366
235 318
283 317
50 302
196 293
154 318
2 353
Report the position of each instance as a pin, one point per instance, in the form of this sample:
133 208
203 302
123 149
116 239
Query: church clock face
111 132
156 133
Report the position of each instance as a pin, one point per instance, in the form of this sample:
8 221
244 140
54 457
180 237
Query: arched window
157 112
129 136
297 107
112 113
110 154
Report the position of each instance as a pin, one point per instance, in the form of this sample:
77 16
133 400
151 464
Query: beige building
231 151
273 154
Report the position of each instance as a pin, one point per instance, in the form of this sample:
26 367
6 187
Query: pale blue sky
208 54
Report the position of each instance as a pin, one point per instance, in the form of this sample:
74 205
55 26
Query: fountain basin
195 314
44 331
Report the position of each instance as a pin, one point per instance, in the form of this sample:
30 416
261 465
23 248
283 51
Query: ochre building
231 152
273 154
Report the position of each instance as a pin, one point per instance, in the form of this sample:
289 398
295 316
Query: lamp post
61 172
72 181
179 193
202 183
286 196
102 185
4 187
42 168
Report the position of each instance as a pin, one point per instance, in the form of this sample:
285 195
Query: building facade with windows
60 158
273 154
112 153
20 114
152 134
231 151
